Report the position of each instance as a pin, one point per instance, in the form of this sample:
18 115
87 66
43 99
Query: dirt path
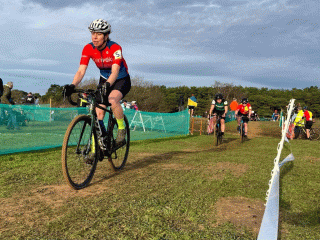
255 130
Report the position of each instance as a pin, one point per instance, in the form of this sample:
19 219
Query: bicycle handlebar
91 93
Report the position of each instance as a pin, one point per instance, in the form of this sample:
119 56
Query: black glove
68 90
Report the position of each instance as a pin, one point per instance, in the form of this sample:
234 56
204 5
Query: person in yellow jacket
299 121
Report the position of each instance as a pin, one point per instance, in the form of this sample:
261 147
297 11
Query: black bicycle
218 131
301 132
83 144
242 131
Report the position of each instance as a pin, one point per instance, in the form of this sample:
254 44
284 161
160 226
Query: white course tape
289 158
269 225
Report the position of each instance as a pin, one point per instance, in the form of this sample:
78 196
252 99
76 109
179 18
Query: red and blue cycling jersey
104 59
244 109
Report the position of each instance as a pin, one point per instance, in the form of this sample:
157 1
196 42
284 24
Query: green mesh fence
33 127
230 116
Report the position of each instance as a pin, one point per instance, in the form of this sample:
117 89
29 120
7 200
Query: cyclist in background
244 110
308 116
304 117
298 122
114 81
219 107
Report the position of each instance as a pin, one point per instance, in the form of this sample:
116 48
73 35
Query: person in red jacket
308 116
243 111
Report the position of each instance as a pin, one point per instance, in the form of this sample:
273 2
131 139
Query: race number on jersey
117 54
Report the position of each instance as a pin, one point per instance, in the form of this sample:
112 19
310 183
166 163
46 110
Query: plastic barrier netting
32 127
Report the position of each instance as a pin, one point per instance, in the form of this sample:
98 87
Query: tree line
155 98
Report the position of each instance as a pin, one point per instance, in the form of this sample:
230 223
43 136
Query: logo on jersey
117 54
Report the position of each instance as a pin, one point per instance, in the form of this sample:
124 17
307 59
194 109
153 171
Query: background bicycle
218 133
301 132
83 144
243 136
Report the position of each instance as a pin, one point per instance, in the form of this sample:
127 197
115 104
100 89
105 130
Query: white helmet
100 25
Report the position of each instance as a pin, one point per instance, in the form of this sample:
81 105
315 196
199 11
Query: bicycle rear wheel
314 133
80 152
119 156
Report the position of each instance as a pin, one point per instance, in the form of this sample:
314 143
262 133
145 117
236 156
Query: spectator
1 108
124 104
299 121
308 117
192 103
234 104
1 89
275 115
30 98
134 105
181 103
36 100
7 99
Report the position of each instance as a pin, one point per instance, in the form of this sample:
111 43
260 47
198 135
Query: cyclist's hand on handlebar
68 90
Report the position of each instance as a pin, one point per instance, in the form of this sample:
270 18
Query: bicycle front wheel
218 134
242 132
79 152
119 156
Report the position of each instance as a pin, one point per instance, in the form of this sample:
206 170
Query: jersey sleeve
117 54
225 103
213 102
86 55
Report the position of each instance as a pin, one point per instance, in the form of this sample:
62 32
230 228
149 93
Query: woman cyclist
114 76
244 110
219 107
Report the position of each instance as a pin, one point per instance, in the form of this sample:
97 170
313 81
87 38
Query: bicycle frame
91 101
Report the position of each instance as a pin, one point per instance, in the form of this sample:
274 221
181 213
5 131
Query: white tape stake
270 220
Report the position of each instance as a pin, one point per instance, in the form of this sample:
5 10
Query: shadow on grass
145 162
304 219
163 157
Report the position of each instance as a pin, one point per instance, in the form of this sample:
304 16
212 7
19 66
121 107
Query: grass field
177 188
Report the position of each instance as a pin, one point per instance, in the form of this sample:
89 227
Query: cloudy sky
259 43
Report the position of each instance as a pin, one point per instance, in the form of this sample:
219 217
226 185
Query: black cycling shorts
245 117
309 124
123 85
219 113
